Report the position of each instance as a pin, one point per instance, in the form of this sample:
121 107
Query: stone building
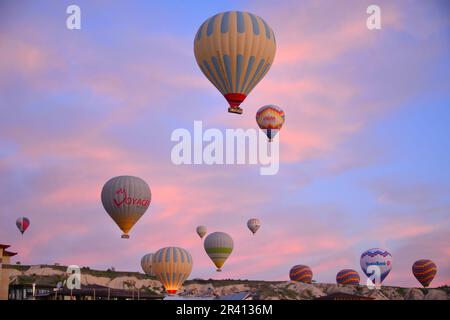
5 257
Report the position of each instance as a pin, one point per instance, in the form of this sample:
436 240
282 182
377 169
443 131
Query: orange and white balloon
270 118
172 266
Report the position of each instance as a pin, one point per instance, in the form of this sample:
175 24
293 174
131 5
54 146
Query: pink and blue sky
365 150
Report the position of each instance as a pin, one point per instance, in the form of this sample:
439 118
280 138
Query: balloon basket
236 110
219 270
125 236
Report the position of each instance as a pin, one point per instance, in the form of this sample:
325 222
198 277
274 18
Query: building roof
235 296
9 253
4 246
343 296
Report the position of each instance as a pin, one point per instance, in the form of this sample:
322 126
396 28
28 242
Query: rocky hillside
267 290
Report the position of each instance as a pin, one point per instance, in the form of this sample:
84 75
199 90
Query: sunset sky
365 149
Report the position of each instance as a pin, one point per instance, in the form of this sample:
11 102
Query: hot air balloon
424 270
146 264
22 224
270 118
201 231
234 50
172 266
301 273
376 257
348 276
125 199
253 225
218 246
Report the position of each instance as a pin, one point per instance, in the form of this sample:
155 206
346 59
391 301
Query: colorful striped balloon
218 246
348 276
301 273
270 118
22 224
235 50
172 266
424 270
146 263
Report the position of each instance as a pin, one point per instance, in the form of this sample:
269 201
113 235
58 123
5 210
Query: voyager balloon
172 266
379 258
270 118
235 50
253 225
348 276
218 246
22 224
301 273
126 199
201 231
424 270
146 264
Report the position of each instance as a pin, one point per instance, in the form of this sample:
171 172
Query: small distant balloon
270 119
348 276
253 224
22 224
424 270
146 264
126 199
201 231
376 257
172 266
301 273
218 246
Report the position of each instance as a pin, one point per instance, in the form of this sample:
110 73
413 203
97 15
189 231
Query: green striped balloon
218 246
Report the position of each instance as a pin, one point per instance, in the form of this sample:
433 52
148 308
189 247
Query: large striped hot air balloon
301 273
270 118
376 257
201 231
348 276
424 270
146 264
253 224
22 224
235 50
172 266
125 199
218 246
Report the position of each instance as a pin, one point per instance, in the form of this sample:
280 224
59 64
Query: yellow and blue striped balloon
235 50
218 246
172 266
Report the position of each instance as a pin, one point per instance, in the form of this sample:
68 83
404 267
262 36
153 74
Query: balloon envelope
234 50
218 246
22 224
424 270
126 199
146 264
172 266
270 119
379 258
253 225
301 273
348 276
201 231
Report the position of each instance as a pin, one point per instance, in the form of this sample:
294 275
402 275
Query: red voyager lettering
128 200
